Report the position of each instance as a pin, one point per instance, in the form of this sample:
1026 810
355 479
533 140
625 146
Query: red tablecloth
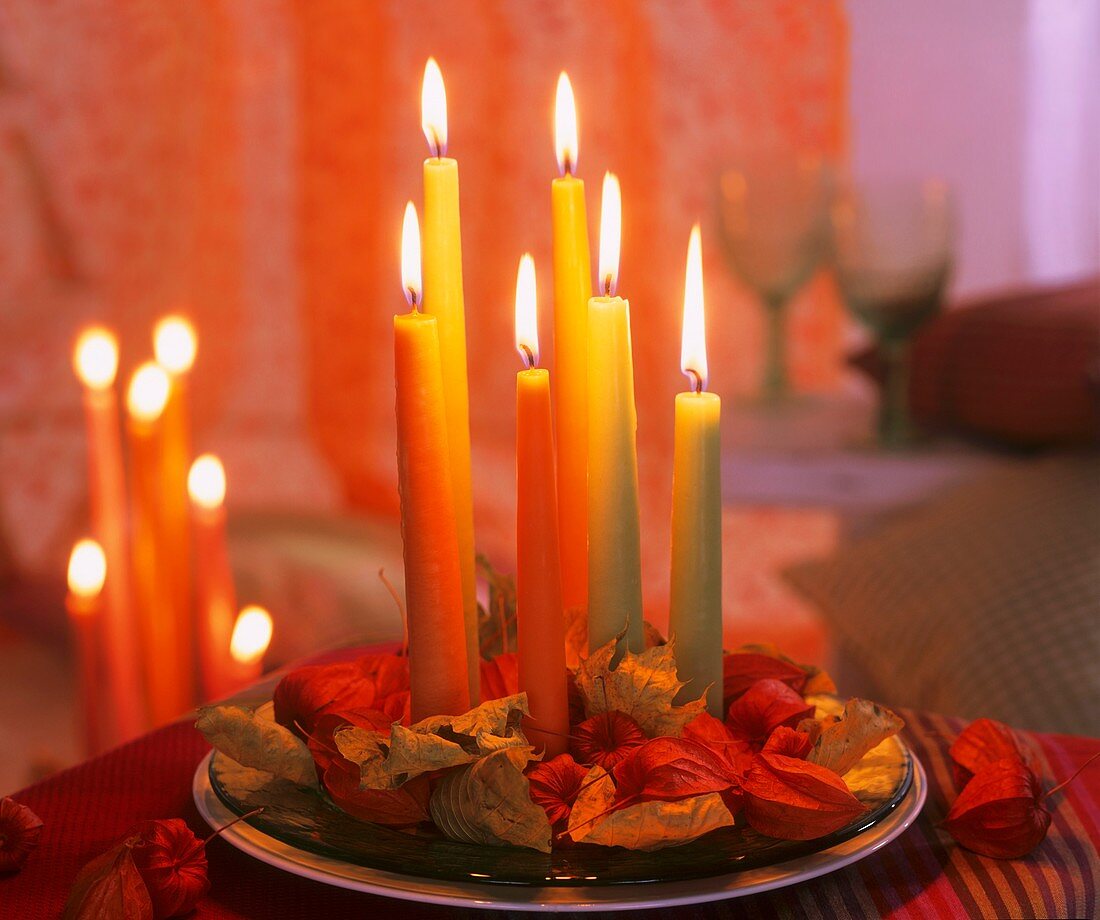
923 873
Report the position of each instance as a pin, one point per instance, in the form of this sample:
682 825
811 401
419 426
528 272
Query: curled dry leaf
489 803
433 744
256 742
982 742
762 708
110 888
1000 812
172 862
20 829
641 686
788 742
555 785
378 681
605 739
656 825
323 747
862 726
796 800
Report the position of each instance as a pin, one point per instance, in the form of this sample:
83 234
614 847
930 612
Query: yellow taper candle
443 299
572 291
539 614
614 538
695 613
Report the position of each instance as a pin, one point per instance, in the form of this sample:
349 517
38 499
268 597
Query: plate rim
626 896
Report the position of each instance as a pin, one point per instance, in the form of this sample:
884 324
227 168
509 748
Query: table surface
90 807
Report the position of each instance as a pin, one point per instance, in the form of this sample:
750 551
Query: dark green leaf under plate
311 822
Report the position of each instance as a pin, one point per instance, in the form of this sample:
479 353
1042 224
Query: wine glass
774 218
892 245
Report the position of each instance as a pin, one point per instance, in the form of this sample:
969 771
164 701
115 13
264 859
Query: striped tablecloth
922 874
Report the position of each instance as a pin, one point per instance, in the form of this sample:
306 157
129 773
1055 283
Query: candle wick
528 355
436 144
413 297
607 285
696 379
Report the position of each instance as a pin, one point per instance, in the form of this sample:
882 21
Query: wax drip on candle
527 325
433 109
611 208
565 126
410 258
693 343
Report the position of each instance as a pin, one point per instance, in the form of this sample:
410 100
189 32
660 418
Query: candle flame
611 218
175 344
410 257
251 635
565 126
95 358
433 108
527 317
693 344
148 392
87 569
206 481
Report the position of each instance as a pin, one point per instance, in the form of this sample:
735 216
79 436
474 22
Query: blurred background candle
214 588
87 572
443 299
695 613
167 685
249 642
539 614
572 290
614 537
175 346
438 672
95 360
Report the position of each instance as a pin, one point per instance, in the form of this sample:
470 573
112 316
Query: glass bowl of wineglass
774 218
892 253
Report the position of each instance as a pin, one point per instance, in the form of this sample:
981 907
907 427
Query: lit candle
539 614
572 290
167 686
443 299
175 346
695 616
95 360
87 572
438 672
248 644
217 599
614 539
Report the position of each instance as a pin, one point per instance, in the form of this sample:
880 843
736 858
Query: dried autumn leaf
762 708
172 862
595 800
254 741
788 742
110 888
862 726
555 785
982 742
605 739
500 676
321 744
796 800
668 769
489 803
1000 812
641 686
20 829
433 744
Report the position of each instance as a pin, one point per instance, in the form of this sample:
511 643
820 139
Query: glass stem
776 386
894 425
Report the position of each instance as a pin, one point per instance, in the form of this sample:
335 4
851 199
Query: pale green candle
695 614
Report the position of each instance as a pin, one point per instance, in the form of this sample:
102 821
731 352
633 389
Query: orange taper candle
539 614
438 678
214 590
249 641
168 688
95 360
87 572
175 346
